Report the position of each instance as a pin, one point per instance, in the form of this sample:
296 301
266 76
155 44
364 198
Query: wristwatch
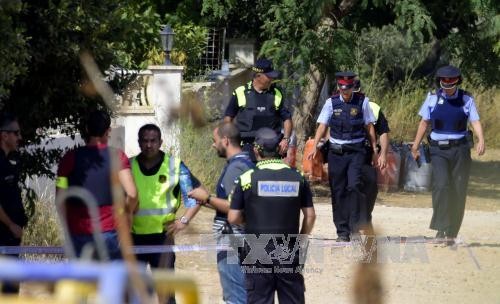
184 220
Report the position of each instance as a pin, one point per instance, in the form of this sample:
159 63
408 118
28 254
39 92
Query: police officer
448 111
350 119
269 200
257 104
369 172
226 141
12 215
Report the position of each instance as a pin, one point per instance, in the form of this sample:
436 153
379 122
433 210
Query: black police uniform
345 161
271 197
11 202
369 173
253 110
451 159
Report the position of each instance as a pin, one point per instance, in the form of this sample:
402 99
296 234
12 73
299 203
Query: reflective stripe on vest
375 109
157 203
242 99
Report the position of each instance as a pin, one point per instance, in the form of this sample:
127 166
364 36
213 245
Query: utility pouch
470 138
336 148
324 151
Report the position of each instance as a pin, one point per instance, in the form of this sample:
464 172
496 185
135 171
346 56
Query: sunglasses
15 132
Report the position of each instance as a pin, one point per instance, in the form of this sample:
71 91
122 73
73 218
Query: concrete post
160 98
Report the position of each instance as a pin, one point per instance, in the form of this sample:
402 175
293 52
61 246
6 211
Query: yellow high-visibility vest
375 109
242 99
157 202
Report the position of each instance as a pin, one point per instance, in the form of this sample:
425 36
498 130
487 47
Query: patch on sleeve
278 189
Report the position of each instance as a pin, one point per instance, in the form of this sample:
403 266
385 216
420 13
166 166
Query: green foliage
381 63
50 92
43 227
13 47
198 154
190 42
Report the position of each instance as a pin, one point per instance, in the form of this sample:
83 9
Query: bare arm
127 181
320 133
287 128
384 148
308 221
16 230
422 128
228 119
478 129
370 130
235 217
201 195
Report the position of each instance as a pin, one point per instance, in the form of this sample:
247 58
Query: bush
43 227
198 154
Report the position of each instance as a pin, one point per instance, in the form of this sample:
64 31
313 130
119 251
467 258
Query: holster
336 148
427 152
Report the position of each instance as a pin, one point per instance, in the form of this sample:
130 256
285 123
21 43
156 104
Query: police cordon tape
147 249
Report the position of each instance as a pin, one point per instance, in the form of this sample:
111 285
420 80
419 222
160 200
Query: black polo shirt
10 193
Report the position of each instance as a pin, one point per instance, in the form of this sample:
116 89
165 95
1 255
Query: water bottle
186 186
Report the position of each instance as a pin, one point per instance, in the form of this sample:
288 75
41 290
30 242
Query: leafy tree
42 41
389 40
13 52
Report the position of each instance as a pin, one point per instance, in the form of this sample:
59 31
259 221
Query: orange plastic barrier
388 178
313 169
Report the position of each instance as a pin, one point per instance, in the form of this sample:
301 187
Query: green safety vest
257 110
242 99
157 202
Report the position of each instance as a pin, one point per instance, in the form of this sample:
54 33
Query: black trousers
262 286
157 260
344 172
7 239
450 177
370 190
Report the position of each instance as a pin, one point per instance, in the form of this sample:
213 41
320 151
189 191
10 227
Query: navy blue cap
345 80
449 76
268 139
265 66
448 71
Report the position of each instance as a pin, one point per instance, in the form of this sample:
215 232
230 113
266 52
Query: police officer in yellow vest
157 177
258 104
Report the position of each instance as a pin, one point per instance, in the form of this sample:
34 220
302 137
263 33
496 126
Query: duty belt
343 148
443 144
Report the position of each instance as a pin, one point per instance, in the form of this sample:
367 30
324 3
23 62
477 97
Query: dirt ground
414 272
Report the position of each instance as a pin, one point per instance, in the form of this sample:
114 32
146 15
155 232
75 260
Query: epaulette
246 179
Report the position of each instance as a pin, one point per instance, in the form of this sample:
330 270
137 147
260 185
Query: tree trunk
305 110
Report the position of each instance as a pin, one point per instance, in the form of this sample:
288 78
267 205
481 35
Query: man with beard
226 141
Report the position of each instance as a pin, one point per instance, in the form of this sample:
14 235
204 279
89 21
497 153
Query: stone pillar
166 98
155 99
